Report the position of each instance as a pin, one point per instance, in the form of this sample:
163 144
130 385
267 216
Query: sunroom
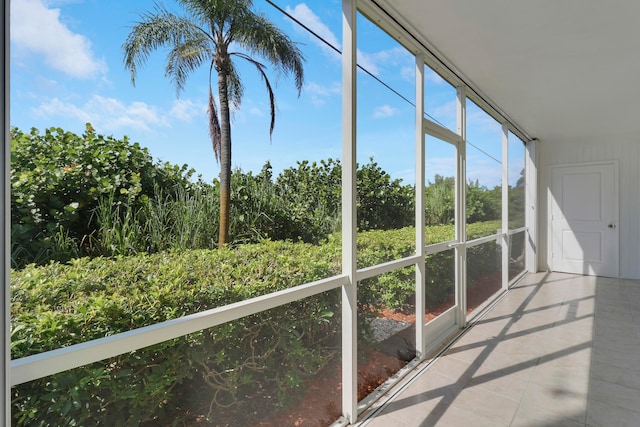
552 84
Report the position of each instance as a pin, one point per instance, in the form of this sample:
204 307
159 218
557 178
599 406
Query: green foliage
85 200
440 199
313 196
262 209
59 305
383 203
58 179
396 289
517 203
483 204
271 352
314 190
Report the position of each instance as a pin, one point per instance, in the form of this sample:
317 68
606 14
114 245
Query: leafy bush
483 204
440 199
57 180
396 289
270 353
314 191
59 305
382 203
77 195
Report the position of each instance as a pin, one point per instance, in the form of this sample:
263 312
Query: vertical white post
421 344
505 241
461 209
349 266
6 235
531 209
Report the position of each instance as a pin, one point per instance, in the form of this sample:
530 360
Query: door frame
550 202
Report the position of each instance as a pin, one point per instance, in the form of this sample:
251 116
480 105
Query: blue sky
67 70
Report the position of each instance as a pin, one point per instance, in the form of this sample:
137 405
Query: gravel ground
384 328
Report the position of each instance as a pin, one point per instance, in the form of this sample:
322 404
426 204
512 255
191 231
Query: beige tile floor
558 350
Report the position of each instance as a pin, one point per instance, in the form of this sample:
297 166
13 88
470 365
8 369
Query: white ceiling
561 69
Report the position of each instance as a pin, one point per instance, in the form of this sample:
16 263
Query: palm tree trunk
225 160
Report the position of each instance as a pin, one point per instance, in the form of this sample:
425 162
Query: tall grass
121 230
187 218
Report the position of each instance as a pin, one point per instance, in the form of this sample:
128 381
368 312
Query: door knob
612 226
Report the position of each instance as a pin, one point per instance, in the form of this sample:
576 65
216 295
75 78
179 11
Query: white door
584 219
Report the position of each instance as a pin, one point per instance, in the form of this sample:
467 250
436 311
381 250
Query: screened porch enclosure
512 126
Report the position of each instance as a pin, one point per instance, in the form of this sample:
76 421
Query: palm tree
215 32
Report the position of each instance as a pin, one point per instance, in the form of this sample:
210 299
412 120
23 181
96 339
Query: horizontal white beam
379 269
441 247
517 230
440 132
482 240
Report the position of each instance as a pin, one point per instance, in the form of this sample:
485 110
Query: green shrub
483 204
59 305
270 353
382 203
58 179
312 194
313 190
396 289
440 201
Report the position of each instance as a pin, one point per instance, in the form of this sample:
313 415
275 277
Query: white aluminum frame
420 306
531 204
461 209
446 323
5 323
505 207
349 265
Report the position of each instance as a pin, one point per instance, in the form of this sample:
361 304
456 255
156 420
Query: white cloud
108 114
368 62
409 74
306 16
37 29
482 121
432 76
185 110
443 166
445 114
255 111
55 107
390 58
385 111
486 171
319 93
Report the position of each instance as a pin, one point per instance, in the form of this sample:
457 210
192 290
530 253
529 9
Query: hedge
267 354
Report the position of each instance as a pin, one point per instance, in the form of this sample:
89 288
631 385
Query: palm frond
259 37
272 100
214 126
234 86
186 58
155 30
220 13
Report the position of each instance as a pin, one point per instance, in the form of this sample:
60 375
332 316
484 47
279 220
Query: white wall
626 150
